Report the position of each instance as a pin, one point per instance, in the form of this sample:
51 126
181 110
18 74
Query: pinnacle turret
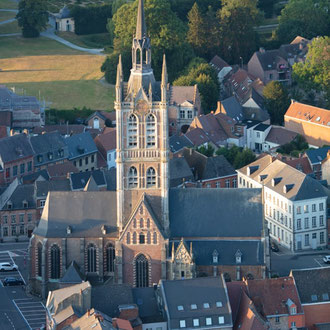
141 28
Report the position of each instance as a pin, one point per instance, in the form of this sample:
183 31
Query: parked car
326 259
274 247
10 281
7 266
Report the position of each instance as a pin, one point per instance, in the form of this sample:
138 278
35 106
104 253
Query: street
17 309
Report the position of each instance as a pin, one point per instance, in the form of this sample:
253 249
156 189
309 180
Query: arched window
134 223
91 259
110 258
138 56
134 238
151 130
128 238
141 223
141 271
155 238
39 259
148 223
151 177
132 177
55 265
132 131
148 237
96 123
142 239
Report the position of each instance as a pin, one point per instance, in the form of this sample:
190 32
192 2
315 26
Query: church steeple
141 29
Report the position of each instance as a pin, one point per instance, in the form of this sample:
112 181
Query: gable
182 254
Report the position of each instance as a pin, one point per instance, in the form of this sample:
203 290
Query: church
146 231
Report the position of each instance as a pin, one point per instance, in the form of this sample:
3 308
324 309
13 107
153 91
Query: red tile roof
61 170
197 137
302 164
270 296
107 140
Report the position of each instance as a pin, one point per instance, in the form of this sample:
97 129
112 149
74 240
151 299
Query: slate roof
23 192
61 170
43 187
62 129
103 297
80 145
312 284
216 167
261 127
270 295
269 59
15 147
31 178
197 137
178 142
207 217
280 135
252 251
64 13
196 291
72 275
79 180
89 212
110 178
5 118
316 156
179 171
233 108
145 299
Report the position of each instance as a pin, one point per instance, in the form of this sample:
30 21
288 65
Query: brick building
125 236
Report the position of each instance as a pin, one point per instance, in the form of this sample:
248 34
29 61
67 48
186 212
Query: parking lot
5 256
32 311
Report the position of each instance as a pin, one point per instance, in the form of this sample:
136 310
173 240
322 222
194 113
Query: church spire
164 72
119 72
141 29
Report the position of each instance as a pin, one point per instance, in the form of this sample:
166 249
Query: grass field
10 28
19 47
5 15
67 95
8 4
51 68
99 40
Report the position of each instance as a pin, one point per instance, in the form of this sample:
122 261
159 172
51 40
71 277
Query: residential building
178 142
200 303
184 105
180 173
278 136
82 151
221 66
313 286
106 144
101 119
277 300
5 123
49 148
64 129
16 158
318 159
294 203
311 122
125 236
63 20
26 111
78 181
231 107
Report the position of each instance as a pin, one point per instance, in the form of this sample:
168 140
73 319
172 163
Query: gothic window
141 223
39 259
110 258
148 223
145 57
151 177
132 131
142 239
134 223
141 271
134 238
91 259
151 130
148 237
155 238
55 262
128 238
138 56
132 177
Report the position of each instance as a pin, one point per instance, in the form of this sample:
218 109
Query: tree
314 73
206 78
307 18
32 17
167 33
267 6
276 101
237 156
237 35
207 151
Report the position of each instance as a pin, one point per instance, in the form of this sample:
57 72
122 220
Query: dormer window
238 256
25 204
68 230
61 152
215 256
39 158
276 181
50 155
9 205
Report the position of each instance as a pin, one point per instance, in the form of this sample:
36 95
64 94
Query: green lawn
5 15
8 4
10 28
71 94
99 40
18 47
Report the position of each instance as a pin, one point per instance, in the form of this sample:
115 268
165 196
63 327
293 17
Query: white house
294 203
63 21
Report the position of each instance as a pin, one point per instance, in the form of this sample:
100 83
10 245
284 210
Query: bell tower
141 107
